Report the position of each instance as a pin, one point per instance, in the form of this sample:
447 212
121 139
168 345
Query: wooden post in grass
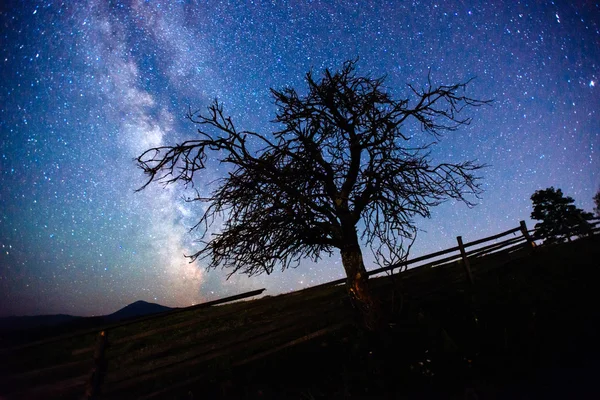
527 236
92 389
465 259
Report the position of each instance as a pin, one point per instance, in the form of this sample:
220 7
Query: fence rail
71 376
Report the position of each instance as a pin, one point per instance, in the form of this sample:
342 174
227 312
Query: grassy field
527 329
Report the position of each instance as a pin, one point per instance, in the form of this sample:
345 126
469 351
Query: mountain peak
137 309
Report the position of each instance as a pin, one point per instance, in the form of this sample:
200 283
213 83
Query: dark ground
527 329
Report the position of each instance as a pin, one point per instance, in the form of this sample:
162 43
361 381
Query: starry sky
86 86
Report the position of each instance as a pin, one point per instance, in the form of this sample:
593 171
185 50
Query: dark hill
37 321
137 309
527 327
26 328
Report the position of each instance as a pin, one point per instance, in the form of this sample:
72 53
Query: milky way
87 86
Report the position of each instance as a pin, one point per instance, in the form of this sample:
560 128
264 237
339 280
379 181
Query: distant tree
560 219
341 169
597 204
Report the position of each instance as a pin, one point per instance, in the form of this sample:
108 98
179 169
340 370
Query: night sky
87 86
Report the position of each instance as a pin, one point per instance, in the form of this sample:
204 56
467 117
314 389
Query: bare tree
340 170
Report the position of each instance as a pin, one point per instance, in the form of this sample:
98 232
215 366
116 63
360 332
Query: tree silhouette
560 219
340 169
597 204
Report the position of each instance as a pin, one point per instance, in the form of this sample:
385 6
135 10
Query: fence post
465 259
527 236
92 389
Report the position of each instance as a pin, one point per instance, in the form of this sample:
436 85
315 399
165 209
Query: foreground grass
526 329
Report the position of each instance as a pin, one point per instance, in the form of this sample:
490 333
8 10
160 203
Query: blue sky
87 86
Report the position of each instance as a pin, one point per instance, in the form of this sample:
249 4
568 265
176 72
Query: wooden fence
84 365
459 252
98 365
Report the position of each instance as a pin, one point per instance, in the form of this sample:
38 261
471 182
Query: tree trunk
357 284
